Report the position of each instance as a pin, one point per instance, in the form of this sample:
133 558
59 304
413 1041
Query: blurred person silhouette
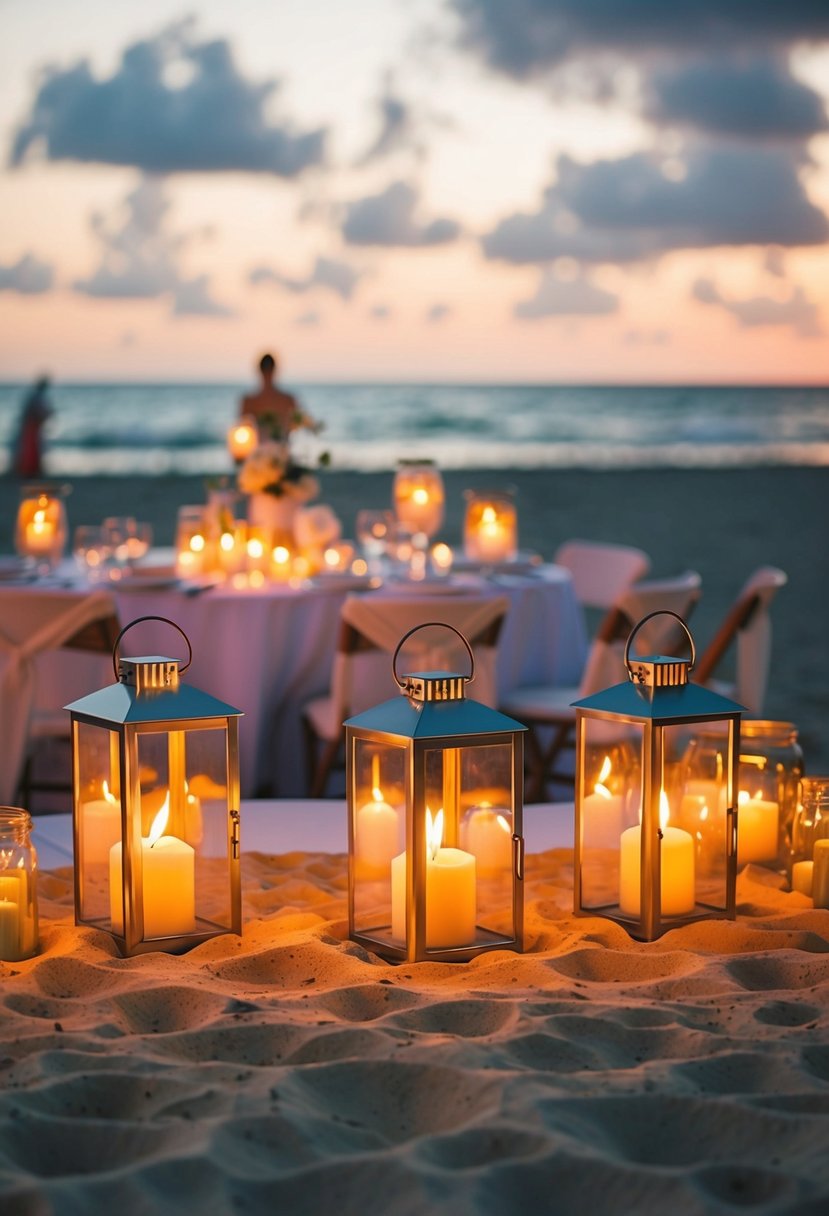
276 411
27 452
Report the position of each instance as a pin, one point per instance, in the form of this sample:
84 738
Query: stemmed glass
374 531
91 551
128 539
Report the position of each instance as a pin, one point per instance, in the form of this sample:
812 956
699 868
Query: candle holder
155 807
18 886
419 498
41 529
243 438
490 530
435 801
633 863
810 841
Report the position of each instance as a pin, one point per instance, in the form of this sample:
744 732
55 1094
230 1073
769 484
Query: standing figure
27 454
275 410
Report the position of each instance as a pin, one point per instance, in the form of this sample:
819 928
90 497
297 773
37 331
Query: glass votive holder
18 886
91 551
41 529
810 841
192 547
419 496
490 529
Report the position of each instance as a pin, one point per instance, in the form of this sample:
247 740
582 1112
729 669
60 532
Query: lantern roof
672 702
409 719
121 704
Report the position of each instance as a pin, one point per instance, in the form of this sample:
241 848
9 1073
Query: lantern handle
650 616
431 625
138 620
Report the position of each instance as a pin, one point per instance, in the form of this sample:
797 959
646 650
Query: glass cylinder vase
18 886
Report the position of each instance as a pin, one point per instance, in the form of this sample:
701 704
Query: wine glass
374 531
91 551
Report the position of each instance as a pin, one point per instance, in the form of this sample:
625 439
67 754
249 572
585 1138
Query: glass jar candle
419 497
771 767
810 840
18 886
41 529
490 530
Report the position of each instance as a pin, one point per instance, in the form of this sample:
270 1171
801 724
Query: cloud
329 273
396 129
527 38
140 259
28 276
438 313
797 311
388 219
214 121
557 297
640 206
754 98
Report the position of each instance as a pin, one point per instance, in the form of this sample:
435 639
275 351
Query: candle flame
281 555
605 770
108 797
226 542
377 794
703 815
744 796
160 821
434 833
255 548
664 809
504 824
197 543
420 495
488 515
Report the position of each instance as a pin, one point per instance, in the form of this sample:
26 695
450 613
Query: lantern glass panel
486 829
611 803
378 800
99 818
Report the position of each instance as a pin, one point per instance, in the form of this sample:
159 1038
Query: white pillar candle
17 923
9 930
677 894
820 874
602 813
802 877
757 828
40 534
486 833
100 827
451 905
168 884
377 835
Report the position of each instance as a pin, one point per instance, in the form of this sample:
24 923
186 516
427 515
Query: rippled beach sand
292 1071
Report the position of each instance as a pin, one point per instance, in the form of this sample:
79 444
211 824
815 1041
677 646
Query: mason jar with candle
18 886
638 860
155 806
419 497
810 840
490 528
435 801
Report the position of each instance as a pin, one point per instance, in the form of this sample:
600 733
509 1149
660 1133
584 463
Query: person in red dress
27 456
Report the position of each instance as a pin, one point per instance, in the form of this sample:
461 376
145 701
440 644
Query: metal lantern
435 801
654 849
156 807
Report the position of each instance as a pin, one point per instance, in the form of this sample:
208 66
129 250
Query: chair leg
310 749
542 760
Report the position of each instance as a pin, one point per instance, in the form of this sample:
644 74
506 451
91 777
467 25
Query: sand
294 1072
722 522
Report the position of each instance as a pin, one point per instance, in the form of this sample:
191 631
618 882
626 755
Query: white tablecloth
266 652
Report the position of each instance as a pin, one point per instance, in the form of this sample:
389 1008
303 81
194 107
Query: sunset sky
473 190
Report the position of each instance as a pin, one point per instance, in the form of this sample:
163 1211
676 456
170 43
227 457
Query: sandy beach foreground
723 523
294 1072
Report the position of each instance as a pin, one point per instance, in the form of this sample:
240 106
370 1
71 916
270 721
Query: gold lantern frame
434 715
148 699
657 696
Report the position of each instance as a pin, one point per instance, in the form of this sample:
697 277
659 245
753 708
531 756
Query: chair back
606 663
601 572
371 628
748 623
33 622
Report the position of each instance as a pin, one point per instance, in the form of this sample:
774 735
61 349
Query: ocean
168 428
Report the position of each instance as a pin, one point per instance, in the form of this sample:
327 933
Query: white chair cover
754 640
362 680
601 572
30 624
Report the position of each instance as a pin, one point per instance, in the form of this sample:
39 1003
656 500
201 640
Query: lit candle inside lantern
231 549
168 883
451 905
100 826
757 828
603 813
486 833
442 558
418 500
820 874
377 830
242 438
676 859
490 530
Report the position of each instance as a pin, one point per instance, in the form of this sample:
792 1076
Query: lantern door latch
235 833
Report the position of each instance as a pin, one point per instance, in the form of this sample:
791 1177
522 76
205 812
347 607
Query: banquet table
267 651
